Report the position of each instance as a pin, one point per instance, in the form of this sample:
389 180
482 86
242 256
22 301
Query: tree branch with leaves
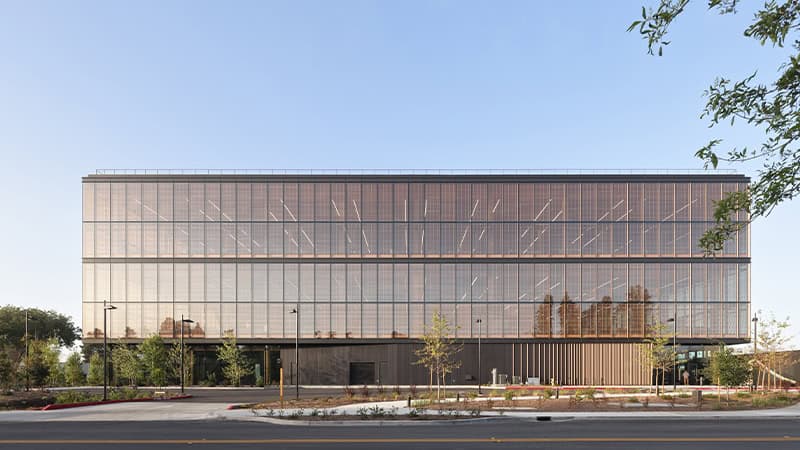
438 352
772 107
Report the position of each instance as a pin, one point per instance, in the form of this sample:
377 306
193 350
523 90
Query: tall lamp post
296 312
479 322
183 376
106 309
674 354
755 349
27 355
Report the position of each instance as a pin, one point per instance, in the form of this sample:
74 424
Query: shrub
633 400
509 395
348 391
211 380
365 391
381 390
413 390
363 413
472 395
128 394
377 411
548 393
396 390
684 395
76 397
585 393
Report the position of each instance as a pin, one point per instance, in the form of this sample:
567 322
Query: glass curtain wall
373 260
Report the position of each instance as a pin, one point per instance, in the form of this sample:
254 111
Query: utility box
698 396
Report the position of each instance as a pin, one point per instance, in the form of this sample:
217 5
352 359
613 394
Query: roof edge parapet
368 172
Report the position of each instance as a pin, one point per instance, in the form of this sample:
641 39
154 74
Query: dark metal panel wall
562 363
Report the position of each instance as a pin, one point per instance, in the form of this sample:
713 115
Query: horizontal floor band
423 260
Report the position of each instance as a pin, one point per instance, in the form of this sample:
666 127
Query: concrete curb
554 417
57 406
356 422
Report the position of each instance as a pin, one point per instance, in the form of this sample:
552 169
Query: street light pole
27 356
674 355
106 309
296 313
183 380
479 321
755 349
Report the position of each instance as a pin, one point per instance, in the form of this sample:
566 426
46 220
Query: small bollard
458 397
557 392
698 396
408 403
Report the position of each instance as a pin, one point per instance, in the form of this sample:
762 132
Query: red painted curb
240 406
55 406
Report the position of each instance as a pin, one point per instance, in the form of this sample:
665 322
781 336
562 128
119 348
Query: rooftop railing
413 172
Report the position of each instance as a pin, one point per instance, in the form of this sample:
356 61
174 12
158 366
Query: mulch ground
599 404
617 404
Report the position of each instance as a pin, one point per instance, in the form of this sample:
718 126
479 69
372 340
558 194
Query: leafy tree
51 357
438 351
95 376
44 323
727 369
773 106
36 366
174 357
127 364
7 372
658 353
772 342
73 373
155 360
235 364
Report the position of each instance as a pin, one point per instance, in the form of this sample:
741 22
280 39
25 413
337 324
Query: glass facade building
369 258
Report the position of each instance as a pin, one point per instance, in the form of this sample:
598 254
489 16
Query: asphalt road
507 434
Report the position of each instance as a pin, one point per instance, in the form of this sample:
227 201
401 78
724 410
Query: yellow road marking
399 440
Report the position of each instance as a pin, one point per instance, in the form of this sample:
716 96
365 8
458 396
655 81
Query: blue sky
372 84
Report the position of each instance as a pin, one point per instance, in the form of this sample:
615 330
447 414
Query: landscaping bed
350 396
592 401
48 400
585 399
367 413
25 400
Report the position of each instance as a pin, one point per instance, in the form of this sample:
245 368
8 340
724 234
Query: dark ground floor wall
395 363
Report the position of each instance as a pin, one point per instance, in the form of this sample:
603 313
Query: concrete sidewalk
124 412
